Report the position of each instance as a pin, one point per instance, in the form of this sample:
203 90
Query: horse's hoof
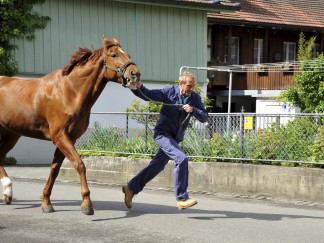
7 199
48 209
87 210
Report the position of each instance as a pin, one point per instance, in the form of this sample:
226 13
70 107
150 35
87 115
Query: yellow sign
248 122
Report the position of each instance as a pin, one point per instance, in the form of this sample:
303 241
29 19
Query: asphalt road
153 218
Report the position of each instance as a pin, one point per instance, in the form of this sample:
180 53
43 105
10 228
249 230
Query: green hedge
10 161
299 140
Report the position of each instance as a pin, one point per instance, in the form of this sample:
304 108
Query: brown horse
57 107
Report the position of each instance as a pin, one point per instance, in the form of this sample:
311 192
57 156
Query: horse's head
119 61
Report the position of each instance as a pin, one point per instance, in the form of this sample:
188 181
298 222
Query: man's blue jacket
173 119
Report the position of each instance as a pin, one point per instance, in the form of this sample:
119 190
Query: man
180 102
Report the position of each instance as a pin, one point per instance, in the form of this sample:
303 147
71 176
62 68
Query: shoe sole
188 206
124 191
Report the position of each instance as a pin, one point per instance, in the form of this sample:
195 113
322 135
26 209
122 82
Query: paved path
154 217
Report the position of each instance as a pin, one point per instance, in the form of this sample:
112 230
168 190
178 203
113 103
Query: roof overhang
243 23
207 5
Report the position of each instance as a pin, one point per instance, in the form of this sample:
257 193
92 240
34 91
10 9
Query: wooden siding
262 81
159 39
252 81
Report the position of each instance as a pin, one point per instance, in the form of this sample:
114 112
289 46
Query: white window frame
235 50
258 51
289 48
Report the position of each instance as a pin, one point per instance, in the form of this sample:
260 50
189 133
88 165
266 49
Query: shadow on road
140 209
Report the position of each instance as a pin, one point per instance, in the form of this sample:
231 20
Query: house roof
209 5
300 14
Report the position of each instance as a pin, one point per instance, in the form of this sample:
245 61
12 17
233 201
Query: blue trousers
168 149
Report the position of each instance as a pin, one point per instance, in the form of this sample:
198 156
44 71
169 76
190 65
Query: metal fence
258 138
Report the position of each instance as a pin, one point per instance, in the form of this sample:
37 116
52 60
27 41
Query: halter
120 71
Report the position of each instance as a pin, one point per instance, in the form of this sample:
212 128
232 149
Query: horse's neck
88 81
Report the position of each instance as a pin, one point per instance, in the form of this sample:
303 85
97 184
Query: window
316 50
289 51
258 51
209 43
235 49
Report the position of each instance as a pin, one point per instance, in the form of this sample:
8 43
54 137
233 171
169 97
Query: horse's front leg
6 186
67 148
55 168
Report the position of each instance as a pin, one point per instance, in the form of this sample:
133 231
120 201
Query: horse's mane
81 57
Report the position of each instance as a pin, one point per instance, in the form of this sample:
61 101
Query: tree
305 47
17 21
308 90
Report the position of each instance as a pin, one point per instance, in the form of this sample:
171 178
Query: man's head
187 82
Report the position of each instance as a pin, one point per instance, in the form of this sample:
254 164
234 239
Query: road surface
153 218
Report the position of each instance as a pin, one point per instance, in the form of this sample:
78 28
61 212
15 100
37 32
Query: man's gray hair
184 75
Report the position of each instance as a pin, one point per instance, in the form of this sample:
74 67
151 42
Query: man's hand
134 85
187 108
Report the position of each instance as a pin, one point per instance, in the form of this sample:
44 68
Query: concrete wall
247 179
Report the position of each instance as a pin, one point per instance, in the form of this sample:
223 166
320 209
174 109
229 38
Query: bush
318 146
137 145
261 144
217 145
296 139
10 161
195 144
102 139
301 139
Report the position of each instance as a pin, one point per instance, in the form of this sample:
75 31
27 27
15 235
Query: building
261 31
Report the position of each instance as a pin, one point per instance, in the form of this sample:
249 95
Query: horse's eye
113 55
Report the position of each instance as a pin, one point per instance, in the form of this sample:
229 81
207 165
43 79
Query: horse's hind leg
55 168
7 142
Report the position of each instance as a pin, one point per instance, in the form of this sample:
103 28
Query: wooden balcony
260 80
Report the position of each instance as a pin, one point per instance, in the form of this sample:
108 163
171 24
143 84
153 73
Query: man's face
188 86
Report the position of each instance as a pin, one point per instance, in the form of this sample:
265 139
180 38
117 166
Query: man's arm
147 94
199 111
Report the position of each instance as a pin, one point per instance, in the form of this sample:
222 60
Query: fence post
317 119
127 127
229 100
278 123
146 131
242 132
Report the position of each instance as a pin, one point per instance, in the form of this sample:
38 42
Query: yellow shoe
183 204
129 194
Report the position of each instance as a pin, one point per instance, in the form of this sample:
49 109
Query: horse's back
19 102
33 106
24 89
18 91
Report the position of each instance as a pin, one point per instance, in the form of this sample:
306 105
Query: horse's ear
114 40
104 39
